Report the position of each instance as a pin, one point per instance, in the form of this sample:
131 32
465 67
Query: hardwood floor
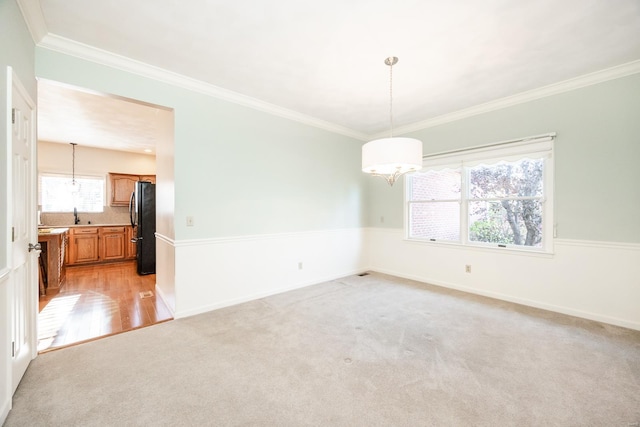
98 301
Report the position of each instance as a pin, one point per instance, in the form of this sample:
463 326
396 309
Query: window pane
436 185
437 220
511 222
506 179
56 194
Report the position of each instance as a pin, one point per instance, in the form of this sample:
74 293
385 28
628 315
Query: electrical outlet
467 268
189 221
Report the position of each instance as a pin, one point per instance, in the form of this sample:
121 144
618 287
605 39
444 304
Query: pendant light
392 157
75 186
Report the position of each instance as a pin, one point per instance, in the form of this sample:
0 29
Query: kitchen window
56 195
498 196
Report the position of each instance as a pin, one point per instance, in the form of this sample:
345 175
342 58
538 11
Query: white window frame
531 147
67 176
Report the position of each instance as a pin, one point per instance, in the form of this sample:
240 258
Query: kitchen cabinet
130 248
150 178
52 268
112 243
122 185
90 245
121 188
83 245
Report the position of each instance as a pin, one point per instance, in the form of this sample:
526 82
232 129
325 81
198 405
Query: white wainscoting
594 280
215 273
166 271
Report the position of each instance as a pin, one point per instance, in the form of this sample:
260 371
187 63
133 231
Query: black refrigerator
142 211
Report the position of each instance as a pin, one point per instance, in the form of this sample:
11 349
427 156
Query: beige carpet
359 351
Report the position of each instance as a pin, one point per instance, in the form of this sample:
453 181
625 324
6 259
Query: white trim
165 239
219 272
100 56
540 146
4 411
257 237
164 300
630 246
4 273
523 301
90 53
509 146
598 244
590 279
258 295
601 76
509 250
34 18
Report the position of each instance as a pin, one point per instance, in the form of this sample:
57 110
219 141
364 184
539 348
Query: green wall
238 171
17 51
597 150
16 45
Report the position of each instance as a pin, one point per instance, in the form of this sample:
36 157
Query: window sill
487 249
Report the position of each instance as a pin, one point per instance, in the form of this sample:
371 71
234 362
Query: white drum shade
392 156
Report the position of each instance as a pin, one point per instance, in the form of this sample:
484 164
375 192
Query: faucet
76 219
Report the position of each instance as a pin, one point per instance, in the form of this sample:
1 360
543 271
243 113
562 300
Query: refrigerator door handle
131 209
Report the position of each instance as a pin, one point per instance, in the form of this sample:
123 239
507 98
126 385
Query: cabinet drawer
105 230
84 230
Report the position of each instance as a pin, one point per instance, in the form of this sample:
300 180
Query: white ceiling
69 114
325 60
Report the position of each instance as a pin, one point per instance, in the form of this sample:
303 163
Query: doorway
113 135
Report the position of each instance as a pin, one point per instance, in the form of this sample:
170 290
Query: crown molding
34 18
90 53
567 85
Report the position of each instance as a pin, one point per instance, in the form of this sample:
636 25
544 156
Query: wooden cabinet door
122 186
112 243
131 248
84 248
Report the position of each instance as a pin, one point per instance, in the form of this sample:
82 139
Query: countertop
66 227
51 230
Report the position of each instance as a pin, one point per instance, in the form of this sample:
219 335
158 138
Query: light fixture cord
73 163
391 98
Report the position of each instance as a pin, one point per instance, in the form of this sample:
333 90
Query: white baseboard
164 300
530 303
589 279
252 297
4 412
216 273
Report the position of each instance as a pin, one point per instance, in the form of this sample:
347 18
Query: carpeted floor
359 351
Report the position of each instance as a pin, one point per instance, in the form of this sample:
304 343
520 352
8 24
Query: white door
23 283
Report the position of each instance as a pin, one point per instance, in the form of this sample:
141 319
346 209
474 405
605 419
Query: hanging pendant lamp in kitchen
75 185
392 157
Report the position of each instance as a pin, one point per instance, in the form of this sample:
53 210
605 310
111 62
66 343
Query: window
490 196
56 195
434 208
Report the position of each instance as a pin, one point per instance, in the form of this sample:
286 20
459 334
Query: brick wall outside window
435 218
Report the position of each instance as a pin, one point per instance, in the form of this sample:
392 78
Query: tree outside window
505 203
485 197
